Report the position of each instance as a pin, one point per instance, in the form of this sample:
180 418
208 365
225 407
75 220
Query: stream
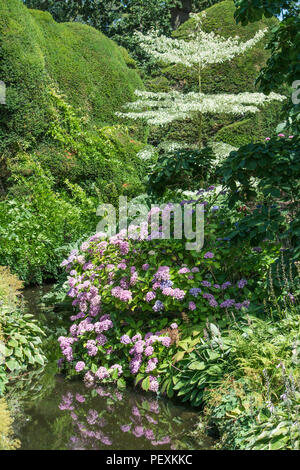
57 414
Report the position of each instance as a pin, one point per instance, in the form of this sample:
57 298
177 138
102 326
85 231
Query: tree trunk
181 14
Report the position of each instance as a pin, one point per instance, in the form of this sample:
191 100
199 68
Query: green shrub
53 193
268 173
36 222
247 380
20 336
181 169
104 157
277 430
256 128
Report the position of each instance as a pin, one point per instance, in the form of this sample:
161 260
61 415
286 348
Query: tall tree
181 12
97 13
283 65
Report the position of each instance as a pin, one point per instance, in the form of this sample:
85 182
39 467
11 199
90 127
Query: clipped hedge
95 75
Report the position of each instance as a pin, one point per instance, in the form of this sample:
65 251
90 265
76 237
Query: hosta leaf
40 360
197 366
178 356
12 365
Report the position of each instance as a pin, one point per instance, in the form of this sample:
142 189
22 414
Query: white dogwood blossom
163 108
201 50
205 49
221 151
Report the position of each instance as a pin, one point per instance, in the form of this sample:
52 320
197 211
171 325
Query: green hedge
94 74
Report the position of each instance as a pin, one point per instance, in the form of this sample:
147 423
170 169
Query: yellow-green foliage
95 75
10 287
234 76
7 440
105 156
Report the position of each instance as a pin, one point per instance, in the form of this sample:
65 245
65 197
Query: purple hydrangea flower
162 274
125 339
154 385
165 341
178 294
136 337
150 296
165 284
102 373
206 283
158 306
149 351
225 285
242 283
151 365
79 366
195 291
183 270
227 303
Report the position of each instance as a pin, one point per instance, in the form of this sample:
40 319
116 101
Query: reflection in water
53 413
142 420
80 418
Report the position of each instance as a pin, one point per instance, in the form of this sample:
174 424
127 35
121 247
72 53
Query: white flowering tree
201 50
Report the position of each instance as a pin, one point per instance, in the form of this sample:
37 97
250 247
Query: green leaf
197 366
146 384
12 365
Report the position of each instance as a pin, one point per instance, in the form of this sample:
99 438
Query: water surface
75 417
57 414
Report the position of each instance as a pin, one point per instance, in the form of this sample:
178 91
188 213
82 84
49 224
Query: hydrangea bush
126 287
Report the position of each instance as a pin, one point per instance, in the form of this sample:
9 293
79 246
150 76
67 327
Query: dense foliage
268 173
20 336
59 158
248 381
181 169
93 73
124 289
284 45
119 20
150 274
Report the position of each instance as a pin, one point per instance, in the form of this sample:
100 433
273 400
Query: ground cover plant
20 336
